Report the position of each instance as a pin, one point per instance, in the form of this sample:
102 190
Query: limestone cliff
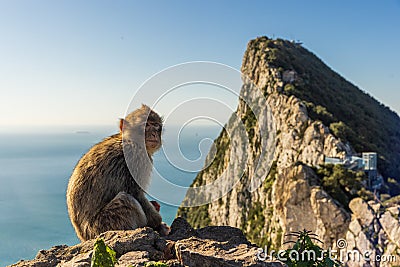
310 105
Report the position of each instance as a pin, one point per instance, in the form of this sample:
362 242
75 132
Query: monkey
106 190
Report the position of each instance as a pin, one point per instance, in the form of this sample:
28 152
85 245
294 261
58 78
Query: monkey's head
143 126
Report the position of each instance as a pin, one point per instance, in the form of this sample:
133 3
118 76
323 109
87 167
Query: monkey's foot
163 229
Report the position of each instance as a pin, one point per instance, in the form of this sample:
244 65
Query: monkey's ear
121 124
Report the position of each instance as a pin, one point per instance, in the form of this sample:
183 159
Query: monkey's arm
153 216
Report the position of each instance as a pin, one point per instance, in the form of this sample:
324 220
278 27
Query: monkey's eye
156 127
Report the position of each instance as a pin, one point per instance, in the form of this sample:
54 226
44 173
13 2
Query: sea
35 166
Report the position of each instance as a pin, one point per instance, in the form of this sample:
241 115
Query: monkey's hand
156 205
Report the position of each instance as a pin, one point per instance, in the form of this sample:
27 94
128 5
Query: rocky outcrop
373 230
301 206
291 198
184 246
288 200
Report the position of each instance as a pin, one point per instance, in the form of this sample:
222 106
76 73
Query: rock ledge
210 246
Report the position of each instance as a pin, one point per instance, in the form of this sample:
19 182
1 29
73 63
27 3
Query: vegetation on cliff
318 113
343 184
350 113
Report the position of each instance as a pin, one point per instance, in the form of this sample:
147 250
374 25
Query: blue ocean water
35 167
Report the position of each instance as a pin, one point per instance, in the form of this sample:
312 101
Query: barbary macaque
106 189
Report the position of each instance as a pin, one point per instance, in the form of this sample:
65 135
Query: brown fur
103 193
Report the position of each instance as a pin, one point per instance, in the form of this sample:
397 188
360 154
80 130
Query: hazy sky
80 62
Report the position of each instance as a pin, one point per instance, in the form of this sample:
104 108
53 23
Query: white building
370 161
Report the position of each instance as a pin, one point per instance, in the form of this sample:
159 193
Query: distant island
82 132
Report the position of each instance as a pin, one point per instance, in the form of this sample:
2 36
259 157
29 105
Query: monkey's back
97 178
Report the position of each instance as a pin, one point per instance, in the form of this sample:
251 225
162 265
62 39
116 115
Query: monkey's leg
124 212
153 216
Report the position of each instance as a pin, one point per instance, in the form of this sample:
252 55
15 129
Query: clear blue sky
79 62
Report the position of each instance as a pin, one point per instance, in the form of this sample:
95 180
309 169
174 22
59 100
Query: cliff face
315 116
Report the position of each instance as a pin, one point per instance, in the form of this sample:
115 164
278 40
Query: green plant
250 122
392 201
222 146
255 223
341 130
155 264
305 253
289 88
103 255
269 180
343 184
322 114
198 217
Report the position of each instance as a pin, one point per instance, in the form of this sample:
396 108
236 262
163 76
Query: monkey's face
153 136
143 127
